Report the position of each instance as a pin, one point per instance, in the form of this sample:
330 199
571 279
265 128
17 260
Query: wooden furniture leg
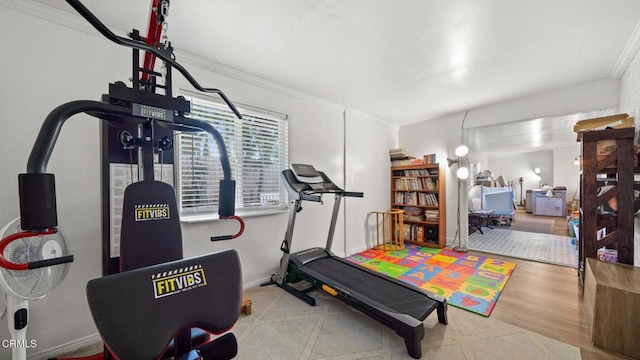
246 305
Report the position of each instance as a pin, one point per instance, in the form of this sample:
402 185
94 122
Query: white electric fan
32 264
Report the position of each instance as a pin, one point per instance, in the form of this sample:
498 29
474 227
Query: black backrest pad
150 231
137 312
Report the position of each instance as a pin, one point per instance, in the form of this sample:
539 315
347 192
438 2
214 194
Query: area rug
544 226
469 282
547 248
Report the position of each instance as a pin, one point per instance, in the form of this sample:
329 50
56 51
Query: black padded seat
138 312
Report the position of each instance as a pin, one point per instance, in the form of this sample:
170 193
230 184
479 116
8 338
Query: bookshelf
419 190
607 158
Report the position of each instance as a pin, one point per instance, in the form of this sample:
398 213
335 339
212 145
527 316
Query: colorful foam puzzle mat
470 282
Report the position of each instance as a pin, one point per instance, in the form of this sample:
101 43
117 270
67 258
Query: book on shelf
430 159
415 172
413 218
398 154
413 183
406 161
431 215
413 214
428 199
415 198
413 232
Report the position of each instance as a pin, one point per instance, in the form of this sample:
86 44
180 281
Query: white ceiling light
462 150
462 173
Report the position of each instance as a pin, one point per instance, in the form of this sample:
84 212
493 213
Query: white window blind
258 151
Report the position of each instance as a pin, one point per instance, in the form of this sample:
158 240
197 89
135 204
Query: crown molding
233 73
49 13
628 53
210 65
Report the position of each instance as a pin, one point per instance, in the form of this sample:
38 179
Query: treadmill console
305 173
304 182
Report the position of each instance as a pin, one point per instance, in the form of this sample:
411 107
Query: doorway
528 155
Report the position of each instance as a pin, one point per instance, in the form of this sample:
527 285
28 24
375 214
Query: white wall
565 171
558 167
44 66
360 176
442 135
512 167
49 62
601 94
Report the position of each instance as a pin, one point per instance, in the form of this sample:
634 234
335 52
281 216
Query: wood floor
559 228
547 299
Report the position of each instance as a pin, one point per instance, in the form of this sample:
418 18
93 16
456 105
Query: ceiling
529 135
402 64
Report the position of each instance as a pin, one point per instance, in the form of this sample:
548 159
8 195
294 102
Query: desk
549 205
488 183
480 219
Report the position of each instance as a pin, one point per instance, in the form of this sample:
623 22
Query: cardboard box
614 121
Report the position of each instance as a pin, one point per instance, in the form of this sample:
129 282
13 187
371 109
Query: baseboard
65 348
256 283
359 249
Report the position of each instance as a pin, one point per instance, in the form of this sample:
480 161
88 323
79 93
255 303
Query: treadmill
398 305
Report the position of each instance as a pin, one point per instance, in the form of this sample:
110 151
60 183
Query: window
258 151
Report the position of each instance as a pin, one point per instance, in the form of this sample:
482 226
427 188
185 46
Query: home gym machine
395 304
135 297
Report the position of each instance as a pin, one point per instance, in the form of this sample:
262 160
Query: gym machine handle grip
50 262
229 237
353 194
5 263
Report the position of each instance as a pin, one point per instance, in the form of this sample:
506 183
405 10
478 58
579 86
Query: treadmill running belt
351 277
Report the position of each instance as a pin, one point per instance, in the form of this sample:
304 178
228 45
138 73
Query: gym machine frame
139 106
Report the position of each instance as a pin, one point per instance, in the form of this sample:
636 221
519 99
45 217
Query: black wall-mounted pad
37 201
227 198
151 232
138 312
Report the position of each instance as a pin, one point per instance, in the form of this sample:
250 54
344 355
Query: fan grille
35 283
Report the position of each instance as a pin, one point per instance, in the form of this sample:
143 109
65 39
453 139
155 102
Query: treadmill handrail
331 191
310 197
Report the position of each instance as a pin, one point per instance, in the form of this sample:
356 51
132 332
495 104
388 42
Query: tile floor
283 327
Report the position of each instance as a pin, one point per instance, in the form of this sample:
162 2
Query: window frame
204 213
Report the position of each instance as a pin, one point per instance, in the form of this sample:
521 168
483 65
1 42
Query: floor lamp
462 175
521 199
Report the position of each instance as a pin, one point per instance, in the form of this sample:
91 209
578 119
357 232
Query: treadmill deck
373 288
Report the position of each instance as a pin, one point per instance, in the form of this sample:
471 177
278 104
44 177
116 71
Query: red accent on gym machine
157 15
